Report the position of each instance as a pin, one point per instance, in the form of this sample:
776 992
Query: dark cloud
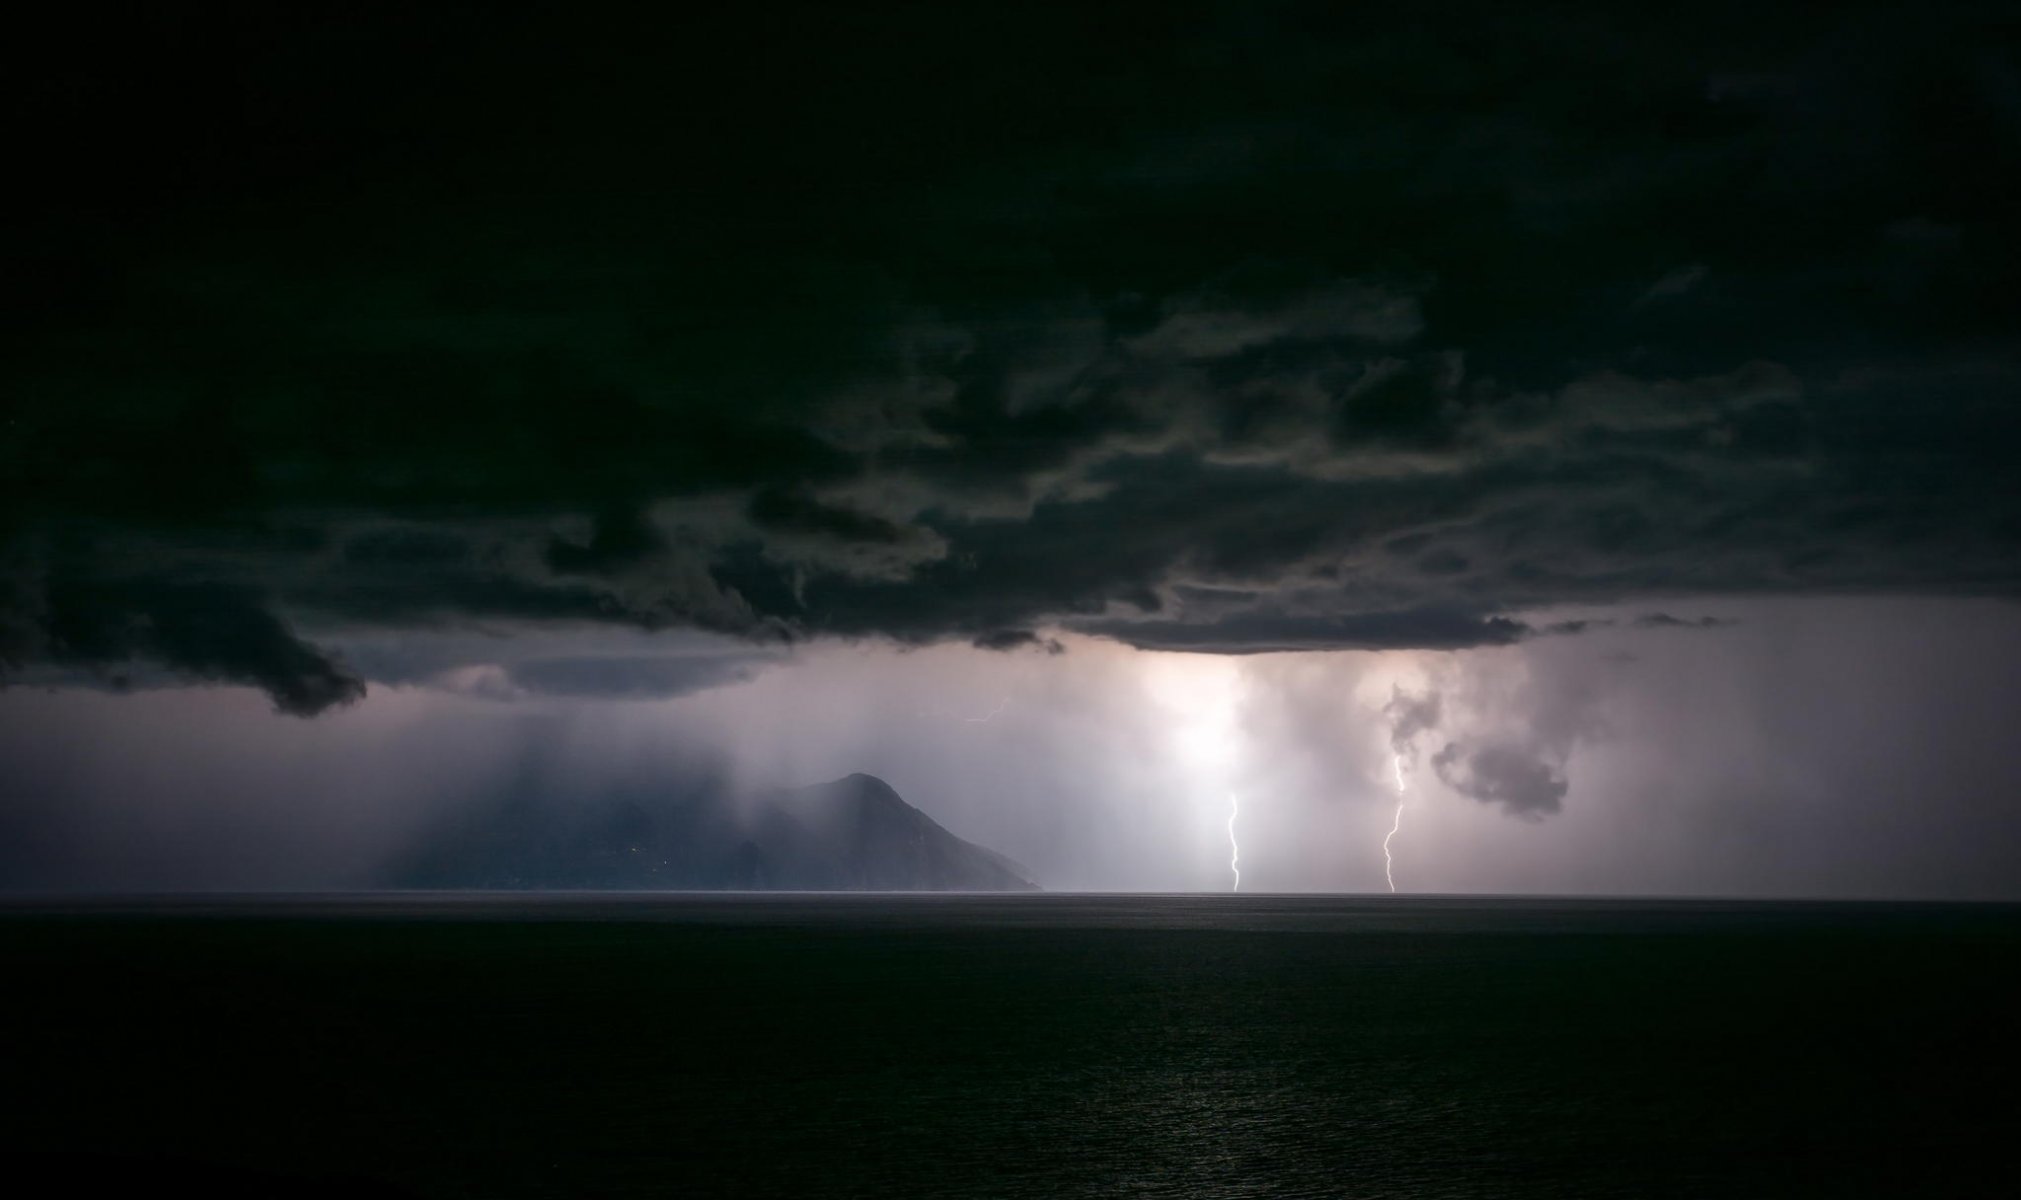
1666 621
1263 634
1410 716
199 631
797 512
1263 329
1017 639
619 539
1510 776
1656 620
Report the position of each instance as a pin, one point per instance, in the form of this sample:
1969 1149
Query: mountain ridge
850 834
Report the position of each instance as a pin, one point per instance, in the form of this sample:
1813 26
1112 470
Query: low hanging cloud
1410 716
1017 639
1261 633
1516 779
206 633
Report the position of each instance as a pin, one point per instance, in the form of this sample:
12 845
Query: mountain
853 834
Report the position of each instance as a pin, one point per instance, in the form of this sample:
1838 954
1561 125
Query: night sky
1607 418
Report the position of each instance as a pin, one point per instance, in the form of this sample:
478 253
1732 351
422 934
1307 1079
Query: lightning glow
1234 850
1396 822
984 720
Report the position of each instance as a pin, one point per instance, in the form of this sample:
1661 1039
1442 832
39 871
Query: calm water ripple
478 1045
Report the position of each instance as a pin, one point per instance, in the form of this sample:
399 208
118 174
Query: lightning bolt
1234 851
1396 823
992 713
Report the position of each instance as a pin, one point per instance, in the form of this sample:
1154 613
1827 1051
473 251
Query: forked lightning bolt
1235 851
1396 764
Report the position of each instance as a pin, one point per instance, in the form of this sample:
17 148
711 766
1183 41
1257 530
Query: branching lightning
1234 850
1396 822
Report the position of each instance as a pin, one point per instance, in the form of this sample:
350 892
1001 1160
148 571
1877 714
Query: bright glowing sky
1753 758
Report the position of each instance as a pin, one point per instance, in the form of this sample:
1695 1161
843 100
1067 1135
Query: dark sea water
1016 1046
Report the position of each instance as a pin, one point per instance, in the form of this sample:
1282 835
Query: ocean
1012 1046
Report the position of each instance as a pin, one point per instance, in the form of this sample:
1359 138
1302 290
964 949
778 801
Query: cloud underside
1511 777
1320 361
1264 634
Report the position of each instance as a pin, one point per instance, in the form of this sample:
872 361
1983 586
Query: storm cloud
202 631
1508 776
1284 329
1411 717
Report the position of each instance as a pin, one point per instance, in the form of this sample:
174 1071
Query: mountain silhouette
851 834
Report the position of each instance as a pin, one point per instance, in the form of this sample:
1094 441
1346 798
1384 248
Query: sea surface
1012 1046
